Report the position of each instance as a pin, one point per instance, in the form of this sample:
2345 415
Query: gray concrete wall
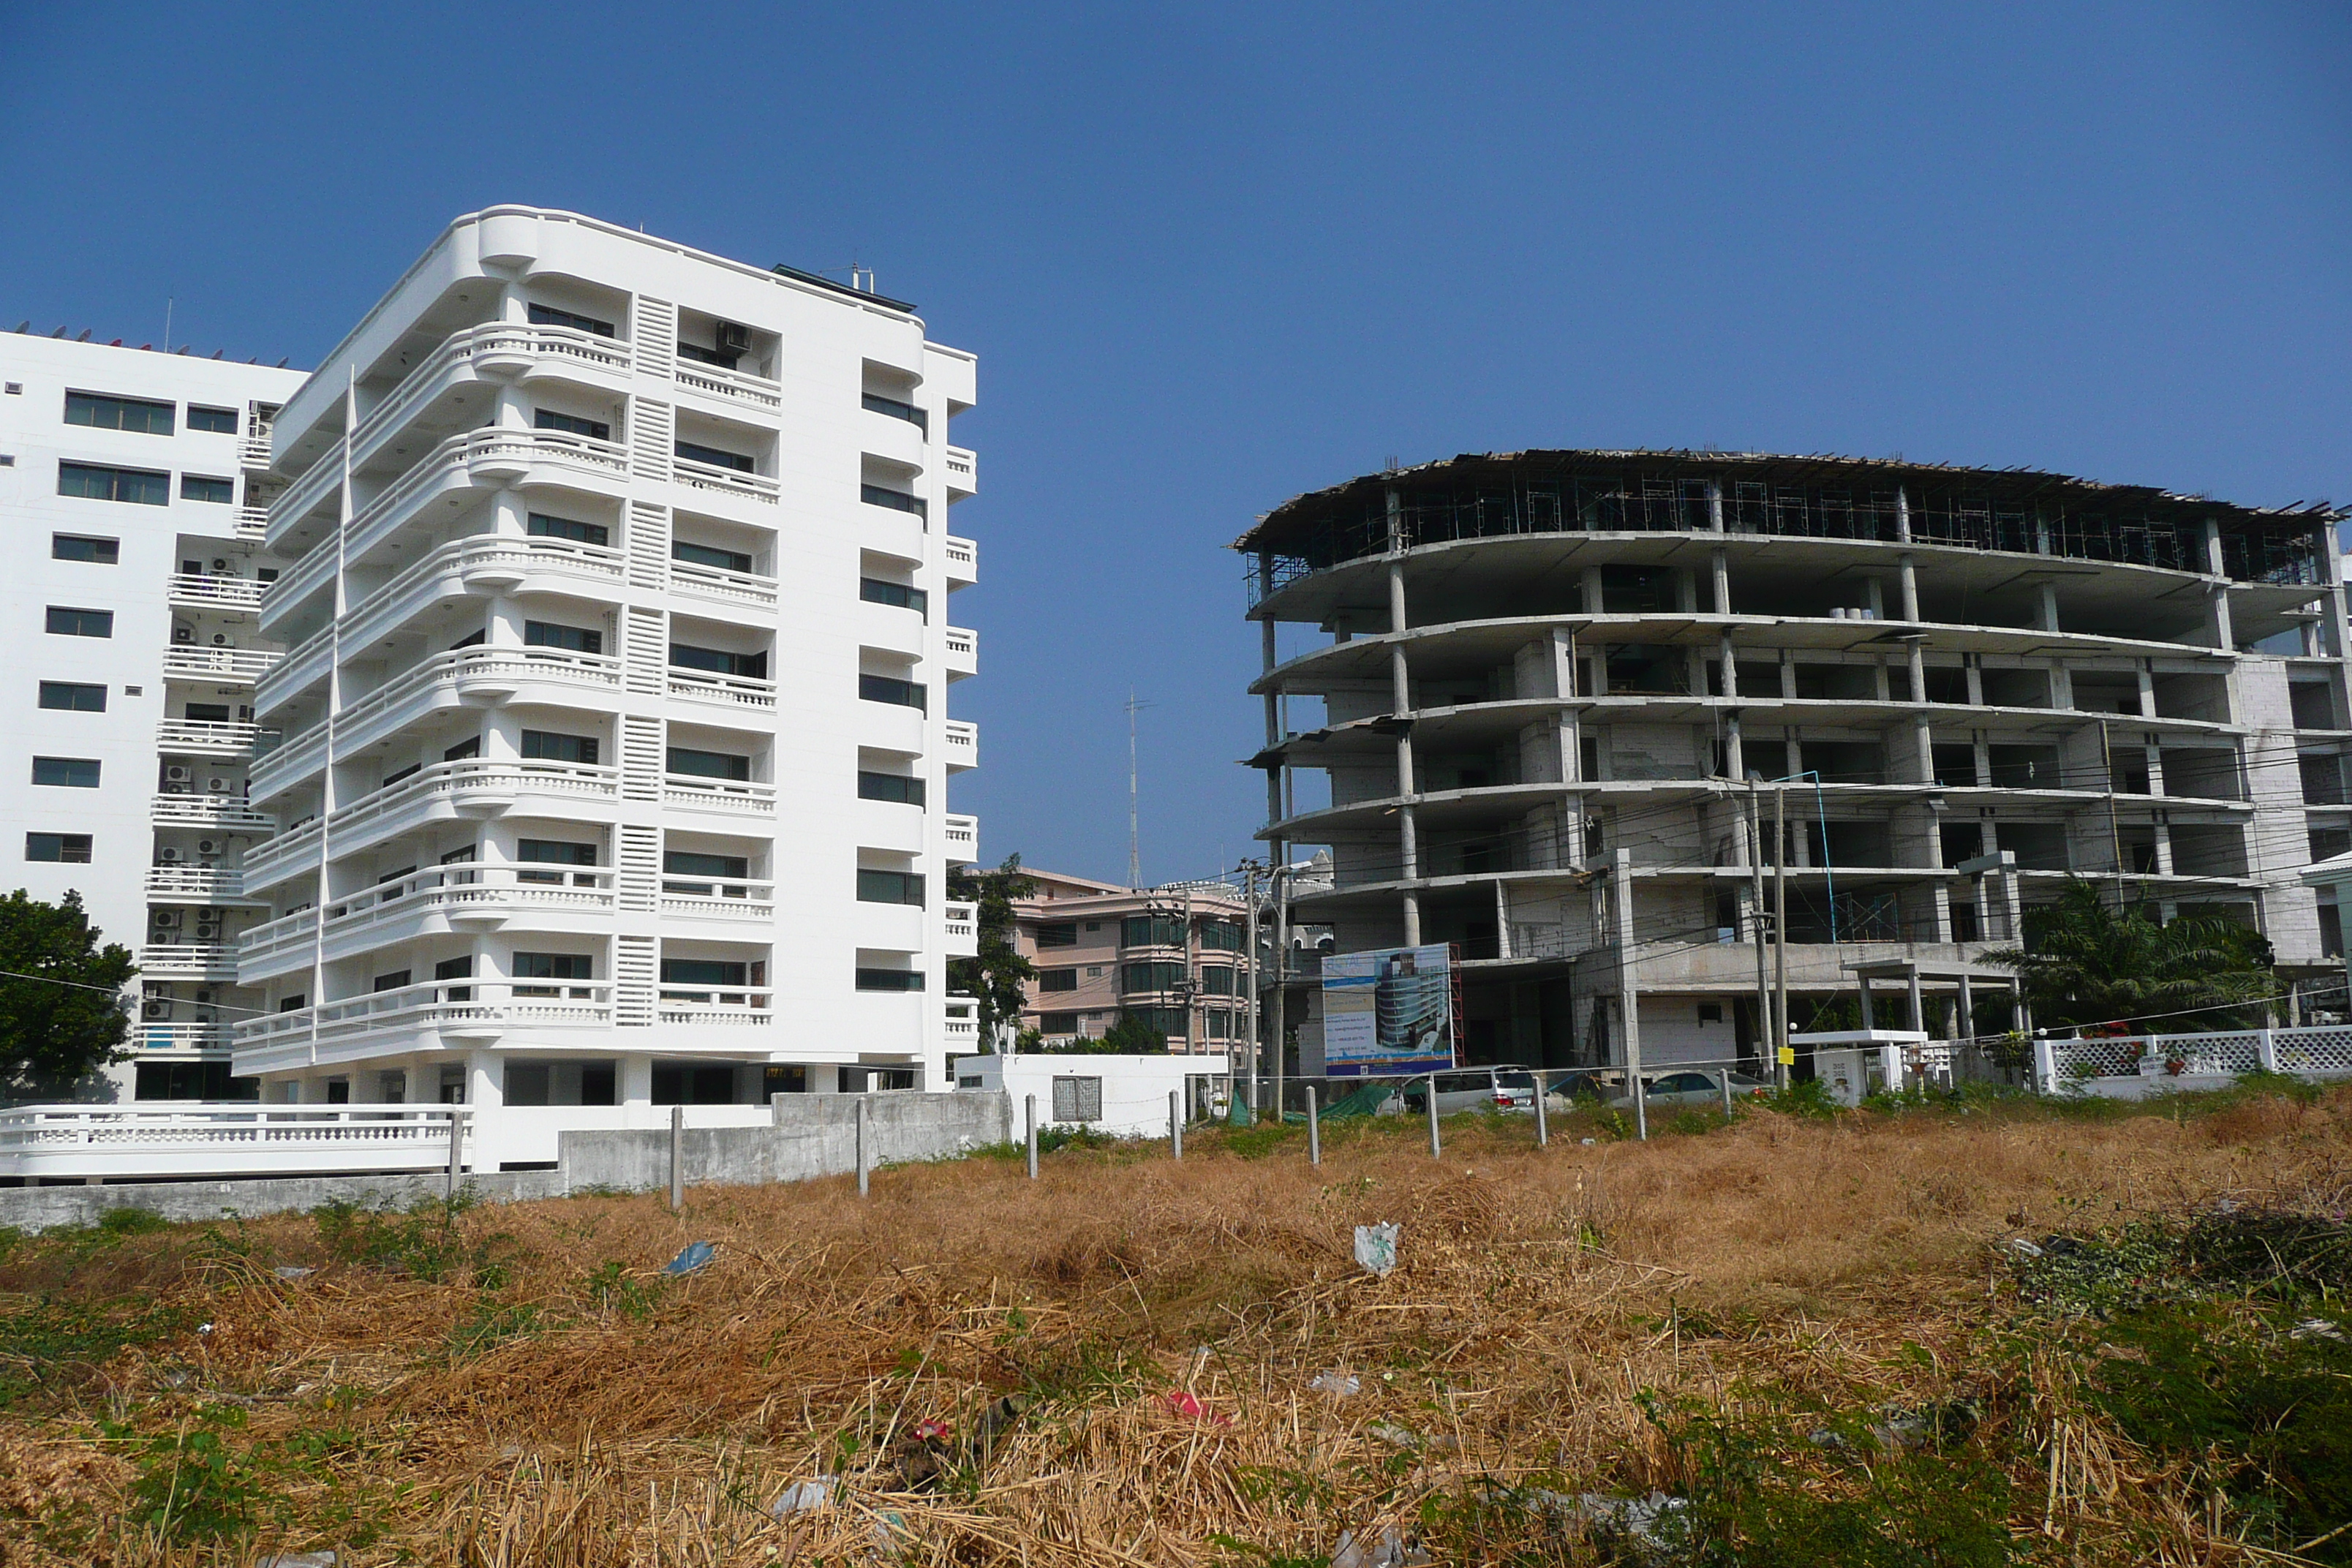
816 1136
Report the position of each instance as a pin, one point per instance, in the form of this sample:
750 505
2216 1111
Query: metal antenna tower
1134 840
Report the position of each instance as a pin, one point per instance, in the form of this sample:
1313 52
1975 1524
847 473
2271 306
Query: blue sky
1215 256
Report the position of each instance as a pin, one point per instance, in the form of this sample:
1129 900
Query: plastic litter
2023 1248
805 1496
1657 1527
1338 1384
298 1560
694 1255
1376 1248
294 1271
1191 1408
2315 1329
1391 1549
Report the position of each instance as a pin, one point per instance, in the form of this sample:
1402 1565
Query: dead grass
577 1410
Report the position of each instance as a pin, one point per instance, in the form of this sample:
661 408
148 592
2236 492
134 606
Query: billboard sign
1388 1011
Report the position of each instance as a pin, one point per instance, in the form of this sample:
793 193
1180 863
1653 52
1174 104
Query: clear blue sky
1213 256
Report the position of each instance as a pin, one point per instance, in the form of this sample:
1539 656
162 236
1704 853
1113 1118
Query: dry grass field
1816 1331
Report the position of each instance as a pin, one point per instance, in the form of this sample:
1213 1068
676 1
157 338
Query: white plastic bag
1376 1248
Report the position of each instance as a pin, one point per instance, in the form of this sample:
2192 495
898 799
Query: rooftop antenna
168 302
1134 842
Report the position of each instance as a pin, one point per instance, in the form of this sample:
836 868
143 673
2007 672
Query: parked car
1697 1088
1474 1088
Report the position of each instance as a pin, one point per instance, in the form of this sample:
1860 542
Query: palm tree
2086 961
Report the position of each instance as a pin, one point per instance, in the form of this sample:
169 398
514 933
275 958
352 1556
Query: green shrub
192 1486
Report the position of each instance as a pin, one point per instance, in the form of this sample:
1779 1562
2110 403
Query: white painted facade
149 535
617 602
1126 1096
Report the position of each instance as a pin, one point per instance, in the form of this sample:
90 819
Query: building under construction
1561 685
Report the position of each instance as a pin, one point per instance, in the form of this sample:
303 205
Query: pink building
1174 956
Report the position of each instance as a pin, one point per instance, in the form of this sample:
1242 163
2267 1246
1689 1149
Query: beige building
1174 956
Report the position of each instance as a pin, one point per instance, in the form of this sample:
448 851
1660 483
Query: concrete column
514 310
1873 598
1629 1004
1788 677
505 628
1729 658
635 1080
509 515
512 408
1719 559
1968 1009
1903 521
1734 760
2046 607
1563 662
1973 672
1918 1005
1714 517
1595 601
1908 567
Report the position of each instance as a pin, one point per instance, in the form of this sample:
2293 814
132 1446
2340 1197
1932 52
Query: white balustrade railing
250 1138
694 793
963 740
720 382
739 690
725 481
179 1035
479 664
964 647
962 558
452 892
194 810
962 920
961 833
716 899
194 884
717 582
964 469
197 591
209 737
735 1006
476 777
239 664
187 958
448 1004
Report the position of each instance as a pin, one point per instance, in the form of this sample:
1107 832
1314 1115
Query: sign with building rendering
1388 1011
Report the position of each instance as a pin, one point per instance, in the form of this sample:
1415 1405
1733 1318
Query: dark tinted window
219 421
896 500
67 622
544 526
889 689
547 746
874 591
889 979
196 487
548 316
573 639
889 887
570 425
102 413
889 787
73 697
717 457
80 547
709 555
710 765
67 773
91 482
73 848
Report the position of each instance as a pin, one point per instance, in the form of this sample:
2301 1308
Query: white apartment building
131 483
616 745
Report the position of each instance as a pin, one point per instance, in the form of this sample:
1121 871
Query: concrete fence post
2266 1050
1436 1148
776 1109
1726 1075
1031 1102
677 1158
1640 1108
2045 1068
1543 1122
865 1148
1176 1122
1313 1124
457 1148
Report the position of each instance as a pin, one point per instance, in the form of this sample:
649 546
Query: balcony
963 744
194 885
228 812
187 961
962 653
190 1035
486 458
690 899
717 582
730 1009
692 792
194 591
499 351
728 385
962 473
961 836
483 566
732 690
477 677
219 666
962 929
725 481
961 1020
206 738
962 562
460 899
460 1014
93 1142
252 523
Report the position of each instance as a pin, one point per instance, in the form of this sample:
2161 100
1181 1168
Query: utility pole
2115 833
1249 869
1780 934
1755 916
1281 961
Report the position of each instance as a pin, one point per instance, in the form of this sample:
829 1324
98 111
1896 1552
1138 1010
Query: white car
1473 1088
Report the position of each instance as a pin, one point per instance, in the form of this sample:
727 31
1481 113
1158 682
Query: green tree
52 1035
2087 961
998 974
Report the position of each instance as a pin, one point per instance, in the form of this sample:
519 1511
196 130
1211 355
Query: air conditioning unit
220 639
209 846
734 339
183 634
220 563
166 920
212 914
204 992
155 1009
208 931
169 855
177 773
244 713
217 785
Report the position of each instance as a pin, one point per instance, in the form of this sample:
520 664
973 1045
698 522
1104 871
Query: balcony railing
179 1035
963 650
963 471
194 884
963 922
962 559
717 582
725 481
964 743
94 1142
737 690
207 738
699 899
252 522
962 835
458 894
195 591
961 1016
692 792
187 961
472 1006
488 668
194 810
221 666
735 386
737 1008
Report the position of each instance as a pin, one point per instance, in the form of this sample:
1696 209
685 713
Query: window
713 972
1155 976
396 981
889 979
464 751
1057 1022
551 966
896 500
191 1080
554 852
677 1084
1064 933
717 457
73 697
882 887
875 403
751 666
66 772
527 1083
874 591
219 421
134 414
1159 1020
890 689
1057 980
471 640
573 639
1077 1100
1151 931
708 764
896 787
456 969
1217 981
91 482
548 316
69 848
197 486
1221 936
571 424
542 526
545 745
709 555
81 547
697 863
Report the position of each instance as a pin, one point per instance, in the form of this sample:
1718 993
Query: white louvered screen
644 650
633 981
641 758
639 867
648 545
657 335
652 438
